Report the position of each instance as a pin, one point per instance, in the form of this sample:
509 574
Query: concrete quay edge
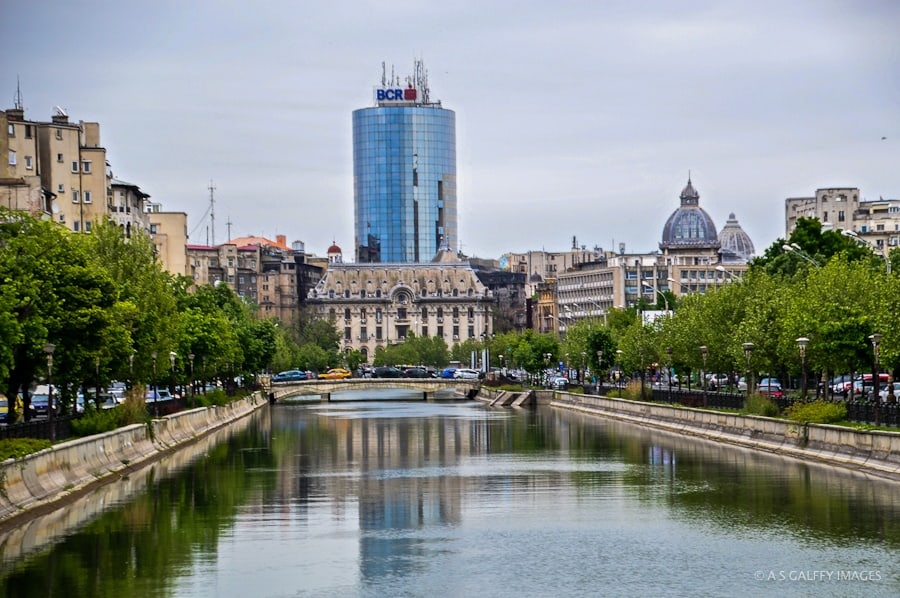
872 452
40 480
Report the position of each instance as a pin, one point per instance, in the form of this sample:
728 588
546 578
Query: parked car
770 387
715 381
884 391
467 373
448 373
162 394
559 382
742 384
289 376
386 371
416 372
335 374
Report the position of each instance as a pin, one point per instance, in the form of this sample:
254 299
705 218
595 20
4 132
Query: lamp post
748 350
583 366
876 339
191 359
599 368
500 357
669 370
153 356
97 389
131 370
728 274
621 372
172 355
547 357
887 260
658 292
48 349
703 351
801 343
794 248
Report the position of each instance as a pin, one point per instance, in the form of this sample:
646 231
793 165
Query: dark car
416 373
40 404
386 371
770 387
289 376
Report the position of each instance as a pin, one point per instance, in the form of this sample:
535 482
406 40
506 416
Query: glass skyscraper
404 174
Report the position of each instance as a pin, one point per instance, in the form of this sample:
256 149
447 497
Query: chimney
61 119
15 114
281 240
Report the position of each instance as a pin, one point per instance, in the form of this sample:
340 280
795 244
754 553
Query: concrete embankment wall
51 475
873 452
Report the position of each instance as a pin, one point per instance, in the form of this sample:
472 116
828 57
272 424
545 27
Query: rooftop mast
212 211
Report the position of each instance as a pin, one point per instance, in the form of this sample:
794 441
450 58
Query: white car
467 374
883 393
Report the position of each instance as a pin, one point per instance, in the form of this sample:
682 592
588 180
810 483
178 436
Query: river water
397 498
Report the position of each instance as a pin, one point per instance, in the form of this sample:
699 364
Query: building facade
404 174
375 305
877 222
58 170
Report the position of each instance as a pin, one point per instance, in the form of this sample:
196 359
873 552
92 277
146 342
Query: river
401 498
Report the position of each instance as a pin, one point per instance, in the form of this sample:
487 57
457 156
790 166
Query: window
87 197
75 225
11 130
363 335
12 158
425 331
440 331
27 131
347 313
59 133
841 216
86 166
28 162
74 195
59 157
60 188
347 333
74 165
87 226
378 333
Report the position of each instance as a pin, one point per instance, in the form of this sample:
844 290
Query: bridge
325 388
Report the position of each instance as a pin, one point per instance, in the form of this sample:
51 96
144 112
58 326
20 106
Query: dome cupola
689 226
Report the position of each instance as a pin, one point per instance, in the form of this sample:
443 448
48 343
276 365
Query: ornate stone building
374 305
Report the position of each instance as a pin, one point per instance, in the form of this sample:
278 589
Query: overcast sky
573 118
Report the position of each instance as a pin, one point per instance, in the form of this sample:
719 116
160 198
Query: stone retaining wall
873 452
51 475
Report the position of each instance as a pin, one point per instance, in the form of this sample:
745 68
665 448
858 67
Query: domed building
335 255
689 227
736 246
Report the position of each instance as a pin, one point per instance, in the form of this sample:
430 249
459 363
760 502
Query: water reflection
456 498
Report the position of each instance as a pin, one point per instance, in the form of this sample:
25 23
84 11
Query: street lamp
500 357
172 355
801 343
658 292
748 350
703 351
583 355
619 382
153 356
191 359
547 357
721 268
599 368
131 370
669 370
794 248
851 234
48 349
876 339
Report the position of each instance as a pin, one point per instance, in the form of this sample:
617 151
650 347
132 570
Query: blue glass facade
404 182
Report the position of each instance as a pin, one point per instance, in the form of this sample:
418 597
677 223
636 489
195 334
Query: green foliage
632 391
97 421
214 397
16 448
817 412
759 405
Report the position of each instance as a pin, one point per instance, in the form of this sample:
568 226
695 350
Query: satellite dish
60 111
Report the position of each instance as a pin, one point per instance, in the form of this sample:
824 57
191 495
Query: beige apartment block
169 233
875 222
375 305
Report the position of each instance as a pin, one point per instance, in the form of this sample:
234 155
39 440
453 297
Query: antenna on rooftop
212 211
228 227
17 101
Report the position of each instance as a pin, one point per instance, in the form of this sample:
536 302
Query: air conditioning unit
456 337
440 320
